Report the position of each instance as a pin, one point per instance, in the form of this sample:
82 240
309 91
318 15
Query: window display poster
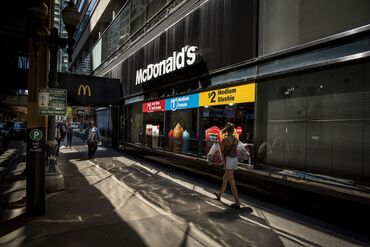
153 106
182 102
230 95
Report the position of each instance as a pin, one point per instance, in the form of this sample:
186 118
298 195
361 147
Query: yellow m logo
85 89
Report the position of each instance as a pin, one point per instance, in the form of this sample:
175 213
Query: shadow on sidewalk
213 218
80 215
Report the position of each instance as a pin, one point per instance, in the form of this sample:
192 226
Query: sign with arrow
52 102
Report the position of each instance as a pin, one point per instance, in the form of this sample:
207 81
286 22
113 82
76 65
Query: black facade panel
223 31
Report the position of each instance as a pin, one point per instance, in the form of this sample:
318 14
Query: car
4 137
75 125
17 130
3 129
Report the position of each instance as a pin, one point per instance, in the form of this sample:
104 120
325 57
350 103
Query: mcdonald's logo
85 89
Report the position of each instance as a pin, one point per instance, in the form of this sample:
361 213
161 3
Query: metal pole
35 161
54 177
51 142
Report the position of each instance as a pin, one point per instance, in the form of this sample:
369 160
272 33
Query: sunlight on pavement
7 154
126 201
65 150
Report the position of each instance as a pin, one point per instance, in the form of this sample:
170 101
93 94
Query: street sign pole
35 171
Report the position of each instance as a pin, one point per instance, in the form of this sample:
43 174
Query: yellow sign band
230 95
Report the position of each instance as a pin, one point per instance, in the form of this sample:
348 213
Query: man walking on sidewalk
69 135
92 138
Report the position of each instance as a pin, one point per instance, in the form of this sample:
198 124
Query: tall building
58 23
293 76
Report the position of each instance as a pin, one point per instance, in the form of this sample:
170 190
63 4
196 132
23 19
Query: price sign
230 95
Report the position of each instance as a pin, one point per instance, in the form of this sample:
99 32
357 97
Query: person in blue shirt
92 137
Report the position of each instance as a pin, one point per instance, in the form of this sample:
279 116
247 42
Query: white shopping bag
243 153
214 155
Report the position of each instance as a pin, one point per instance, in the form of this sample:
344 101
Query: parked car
75 125
3 129
17 130
4 137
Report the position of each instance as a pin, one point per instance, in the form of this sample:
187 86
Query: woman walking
229 151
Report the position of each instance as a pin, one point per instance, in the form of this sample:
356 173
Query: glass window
182 135
154 125
288 23
153 6
316 122
104 123
137 15
134 118
241 115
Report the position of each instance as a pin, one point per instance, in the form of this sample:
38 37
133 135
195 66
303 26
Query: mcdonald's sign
94 91
85 90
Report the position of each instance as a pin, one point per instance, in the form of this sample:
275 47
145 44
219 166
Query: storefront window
134 118
153 125
317 122
241 115
182 135
288 23
104 123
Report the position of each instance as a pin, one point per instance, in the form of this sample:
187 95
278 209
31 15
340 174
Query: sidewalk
114 200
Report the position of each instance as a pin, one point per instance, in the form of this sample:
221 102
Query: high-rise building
58 23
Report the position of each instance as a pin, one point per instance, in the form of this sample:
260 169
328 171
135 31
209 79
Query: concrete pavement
117 200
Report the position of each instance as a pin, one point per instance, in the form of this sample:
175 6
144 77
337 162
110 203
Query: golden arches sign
85 90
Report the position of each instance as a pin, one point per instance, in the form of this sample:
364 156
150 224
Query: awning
90 90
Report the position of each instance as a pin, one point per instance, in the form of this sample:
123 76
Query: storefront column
166 127
200 132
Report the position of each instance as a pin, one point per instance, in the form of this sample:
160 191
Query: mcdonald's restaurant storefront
185 123
171 100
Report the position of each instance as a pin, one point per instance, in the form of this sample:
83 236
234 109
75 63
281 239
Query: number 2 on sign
212 96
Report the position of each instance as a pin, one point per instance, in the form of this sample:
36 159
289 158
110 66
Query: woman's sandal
217 195
235 206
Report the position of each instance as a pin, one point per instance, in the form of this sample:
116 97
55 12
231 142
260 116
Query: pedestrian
229 152
69 135
59 135
92 138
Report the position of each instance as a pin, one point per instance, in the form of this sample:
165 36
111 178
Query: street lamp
41 35
71 18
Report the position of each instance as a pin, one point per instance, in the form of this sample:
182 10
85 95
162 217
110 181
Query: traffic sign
52 101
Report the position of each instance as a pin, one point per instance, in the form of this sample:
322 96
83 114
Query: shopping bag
214 155
243 153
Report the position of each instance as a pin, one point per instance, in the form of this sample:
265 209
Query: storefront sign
182 102
178 60
153 106
230 95
90 90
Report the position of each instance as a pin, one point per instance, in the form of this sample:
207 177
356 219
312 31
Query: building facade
293 76
58 23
